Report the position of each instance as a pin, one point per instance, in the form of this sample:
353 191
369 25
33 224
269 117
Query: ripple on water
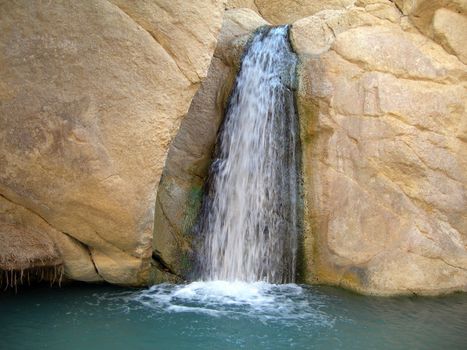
223 315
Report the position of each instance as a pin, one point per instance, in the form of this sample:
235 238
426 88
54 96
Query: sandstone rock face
180 190
91 94
288 11
87 114
449 30
382 109
238 4
384 134
283 12
444 21
75 255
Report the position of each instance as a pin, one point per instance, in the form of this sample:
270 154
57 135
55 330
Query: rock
383 128
27 256
73 255
180 190
87 115
180 29
284 12
383 133
383 9
422 11
237 26
441 20
314 35
238 4
385 49
449 29
22 250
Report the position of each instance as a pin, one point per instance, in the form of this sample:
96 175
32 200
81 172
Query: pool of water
222 315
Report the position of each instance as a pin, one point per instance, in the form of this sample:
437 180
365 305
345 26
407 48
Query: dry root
15 278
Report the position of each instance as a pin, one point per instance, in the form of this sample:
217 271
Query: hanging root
10 279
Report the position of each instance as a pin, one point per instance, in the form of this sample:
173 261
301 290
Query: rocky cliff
91 95
382 104
381 101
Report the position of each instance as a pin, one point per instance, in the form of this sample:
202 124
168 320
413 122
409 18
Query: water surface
223 315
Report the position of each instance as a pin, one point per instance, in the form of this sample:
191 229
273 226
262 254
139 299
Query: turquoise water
221 315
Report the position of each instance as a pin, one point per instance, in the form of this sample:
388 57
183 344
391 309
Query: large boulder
91 95
384 138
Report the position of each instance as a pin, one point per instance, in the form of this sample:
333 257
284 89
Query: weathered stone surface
444 21
91 95
383 9
449 29
186 30
87 114
383 117
21 249
75 255
238 4
384 150
314 35
421 11
284 12
237 26
180 190
380 48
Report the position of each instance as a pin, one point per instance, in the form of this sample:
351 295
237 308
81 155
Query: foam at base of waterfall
261 300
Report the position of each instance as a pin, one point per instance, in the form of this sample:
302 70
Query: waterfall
248 221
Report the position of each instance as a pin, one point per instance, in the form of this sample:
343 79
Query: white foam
264 301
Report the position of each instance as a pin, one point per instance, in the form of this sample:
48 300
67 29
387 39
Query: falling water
248 222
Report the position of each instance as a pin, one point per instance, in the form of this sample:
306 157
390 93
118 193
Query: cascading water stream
248 222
